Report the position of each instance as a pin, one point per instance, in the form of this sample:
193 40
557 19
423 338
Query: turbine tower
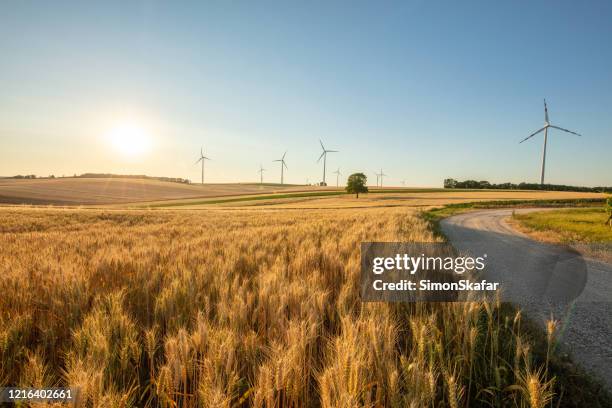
202 159
324 156
283 166
545 129
260 171
338 174
381 174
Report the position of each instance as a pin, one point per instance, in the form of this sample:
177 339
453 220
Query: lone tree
356 184
609 211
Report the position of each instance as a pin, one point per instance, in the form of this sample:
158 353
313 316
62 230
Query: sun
130 139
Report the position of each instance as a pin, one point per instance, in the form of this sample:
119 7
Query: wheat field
242 309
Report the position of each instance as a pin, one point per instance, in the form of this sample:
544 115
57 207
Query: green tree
356 184
450 183
609 211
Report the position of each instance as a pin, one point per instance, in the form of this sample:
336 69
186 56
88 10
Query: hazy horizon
425 91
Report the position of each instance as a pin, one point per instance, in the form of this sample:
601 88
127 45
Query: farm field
248 307
402 198
97 191
129 192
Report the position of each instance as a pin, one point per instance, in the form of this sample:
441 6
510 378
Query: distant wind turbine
338 174
545 129
324 156
381 174
260 171
283 166
202 159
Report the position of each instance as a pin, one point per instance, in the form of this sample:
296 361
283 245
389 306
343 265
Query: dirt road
545 279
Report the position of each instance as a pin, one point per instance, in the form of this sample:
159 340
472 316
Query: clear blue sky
425 90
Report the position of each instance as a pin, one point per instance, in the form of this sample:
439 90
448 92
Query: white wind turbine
260 171
381 174
545 129
324 156
283 166
202 159
338 174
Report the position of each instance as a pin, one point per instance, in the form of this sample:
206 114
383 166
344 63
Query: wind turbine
260 171
381 177
545 129
324 156
338 174
201 159
283 165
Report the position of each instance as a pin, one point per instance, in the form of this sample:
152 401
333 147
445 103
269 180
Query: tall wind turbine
283 166
338 174
545 129
202 159
324 156
260 171
381 174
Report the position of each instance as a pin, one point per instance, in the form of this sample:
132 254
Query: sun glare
130 140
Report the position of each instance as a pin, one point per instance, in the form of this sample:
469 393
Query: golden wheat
239 308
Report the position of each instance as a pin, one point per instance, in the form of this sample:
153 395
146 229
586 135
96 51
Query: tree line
107 175
473 184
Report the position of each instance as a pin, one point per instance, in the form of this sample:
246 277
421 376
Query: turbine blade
545 111
332 151
322 154
565 130
285 165
202 151
533 134
284 155
322 147
200 159
276 160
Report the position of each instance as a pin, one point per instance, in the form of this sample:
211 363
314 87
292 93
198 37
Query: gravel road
545 279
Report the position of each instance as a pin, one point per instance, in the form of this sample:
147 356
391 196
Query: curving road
544 279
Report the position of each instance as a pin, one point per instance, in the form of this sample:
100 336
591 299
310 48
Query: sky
424 90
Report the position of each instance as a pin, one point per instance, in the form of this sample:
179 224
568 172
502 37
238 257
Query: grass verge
569 225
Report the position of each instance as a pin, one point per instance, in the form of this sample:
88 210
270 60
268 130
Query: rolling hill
96 191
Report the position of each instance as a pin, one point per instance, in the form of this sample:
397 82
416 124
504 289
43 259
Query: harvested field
405 198
96 191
